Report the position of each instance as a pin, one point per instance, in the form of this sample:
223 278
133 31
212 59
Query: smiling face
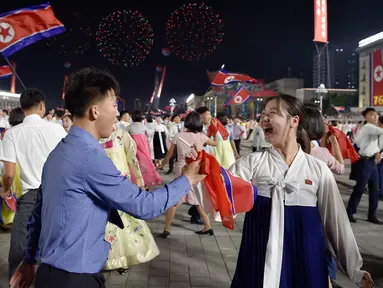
278 126
67 123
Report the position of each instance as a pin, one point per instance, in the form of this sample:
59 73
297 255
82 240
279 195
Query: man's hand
24 275
191 171
378 158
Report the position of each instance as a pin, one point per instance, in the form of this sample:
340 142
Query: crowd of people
87 182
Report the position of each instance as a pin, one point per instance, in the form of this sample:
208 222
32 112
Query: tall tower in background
137 104
321 59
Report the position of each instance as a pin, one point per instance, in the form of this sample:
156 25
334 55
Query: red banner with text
377 78
320 21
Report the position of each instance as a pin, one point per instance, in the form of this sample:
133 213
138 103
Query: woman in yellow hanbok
7 214
134 244
223 152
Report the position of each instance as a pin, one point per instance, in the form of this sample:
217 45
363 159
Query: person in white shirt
174 127
4 124
238 131
380 165
259 141
365 171
29 145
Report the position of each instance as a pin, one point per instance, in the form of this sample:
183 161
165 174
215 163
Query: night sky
261 38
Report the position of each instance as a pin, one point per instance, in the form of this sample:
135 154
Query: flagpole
14 72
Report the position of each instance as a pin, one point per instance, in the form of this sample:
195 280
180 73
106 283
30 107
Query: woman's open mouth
267 130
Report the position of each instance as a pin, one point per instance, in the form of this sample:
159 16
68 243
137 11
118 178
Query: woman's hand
214 122
367 281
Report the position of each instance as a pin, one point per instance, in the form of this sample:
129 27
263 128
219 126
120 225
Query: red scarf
212 130
346 148
229 194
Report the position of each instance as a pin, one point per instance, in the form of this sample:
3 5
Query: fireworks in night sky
74 42
125 38
194 31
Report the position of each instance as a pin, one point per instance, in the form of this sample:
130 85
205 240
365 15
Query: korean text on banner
377 78
320 21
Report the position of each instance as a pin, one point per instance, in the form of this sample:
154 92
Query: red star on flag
5 32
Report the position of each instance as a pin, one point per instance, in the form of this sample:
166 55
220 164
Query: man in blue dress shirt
81 187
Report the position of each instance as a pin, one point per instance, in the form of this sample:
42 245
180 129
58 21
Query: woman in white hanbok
298 204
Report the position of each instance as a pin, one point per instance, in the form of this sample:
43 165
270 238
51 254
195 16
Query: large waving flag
223 78
22 27
5 71
240 97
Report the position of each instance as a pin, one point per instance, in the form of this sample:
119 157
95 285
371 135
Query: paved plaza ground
189 260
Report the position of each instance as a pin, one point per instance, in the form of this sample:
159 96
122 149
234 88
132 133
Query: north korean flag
5 71
224 78
22 27
240 97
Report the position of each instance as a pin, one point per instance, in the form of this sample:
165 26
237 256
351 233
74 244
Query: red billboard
320 21
377 78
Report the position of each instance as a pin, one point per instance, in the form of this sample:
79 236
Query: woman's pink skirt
148 170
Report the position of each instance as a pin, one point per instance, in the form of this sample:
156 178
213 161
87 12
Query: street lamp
259 102
321 91
215 104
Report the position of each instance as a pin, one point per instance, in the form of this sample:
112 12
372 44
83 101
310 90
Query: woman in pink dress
138 131
194 136
316 129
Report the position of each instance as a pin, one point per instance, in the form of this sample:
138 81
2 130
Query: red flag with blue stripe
5 71
241 193
224 78
229 194
240 97
22 27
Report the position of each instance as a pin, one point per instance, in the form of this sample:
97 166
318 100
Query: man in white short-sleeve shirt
29 145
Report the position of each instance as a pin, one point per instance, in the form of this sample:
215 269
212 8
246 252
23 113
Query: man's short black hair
60 113
31 98
123 112
87 87
369 109
202 110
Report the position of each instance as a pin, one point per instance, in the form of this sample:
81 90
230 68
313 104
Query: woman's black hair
149 118
137 116
193 122
16 117
221 116
68 116
313 124
295 107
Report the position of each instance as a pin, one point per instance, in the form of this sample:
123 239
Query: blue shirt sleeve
103 180
32 252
